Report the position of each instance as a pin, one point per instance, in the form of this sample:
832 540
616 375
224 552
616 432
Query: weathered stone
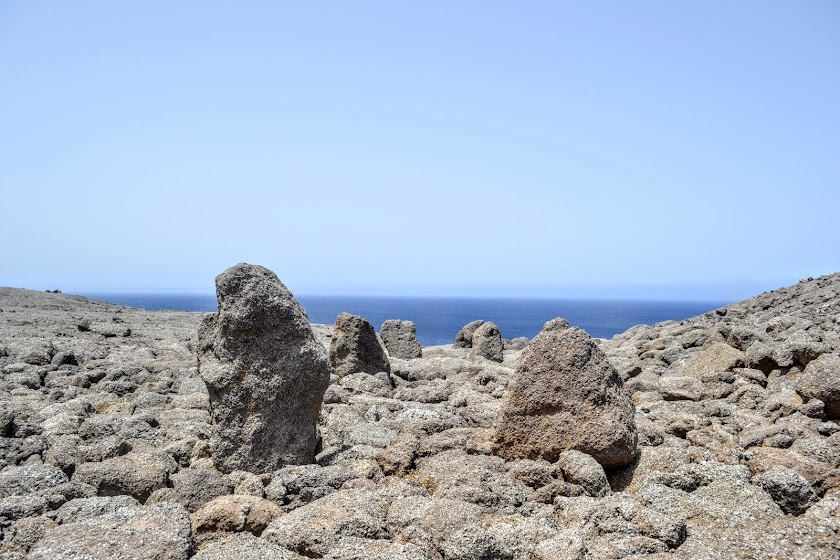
193 488
713 359
566 395
134 474
487 342
244 546
583 470
788 489
80 509
159 532
683 387
235 513
821 380
315 528
355 348
265 373
26 479
400 339
464 338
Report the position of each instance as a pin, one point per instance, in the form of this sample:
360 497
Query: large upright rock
566 395
355 348
265 372
487 342
464 338
400 339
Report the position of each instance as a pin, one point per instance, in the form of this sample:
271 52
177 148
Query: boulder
821 380
244 546
400 339
192 488
566 395
159 532
135 474
233 514
464 338
265 373
79 509
583 470
313 529
487 343
788 489
355 348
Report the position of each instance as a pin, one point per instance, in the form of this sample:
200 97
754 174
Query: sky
651 149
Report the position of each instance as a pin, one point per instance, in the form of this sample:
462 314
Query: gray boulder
583 470
27 479
355 348
79 509
135 474
159 532
821 380
400 339
265 373
464 338
518 343
566 395
192 488
244 546
487 342
788 489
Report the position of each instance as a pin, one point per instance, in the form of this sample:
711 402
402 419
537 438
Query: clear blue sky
628 149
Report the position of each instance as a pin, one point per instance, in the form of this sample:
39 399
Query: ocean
439 319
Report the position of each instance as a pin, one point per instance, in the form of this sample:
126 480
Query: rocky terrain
165 435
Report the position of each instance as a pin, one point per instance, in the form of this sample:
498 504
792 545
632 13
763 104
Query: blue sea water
439 319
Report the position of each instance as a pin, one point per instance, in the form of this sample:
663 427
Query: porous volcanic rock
464 338
487 342
159 532
355 348
265 373
821 380
566 395
400 339
405 467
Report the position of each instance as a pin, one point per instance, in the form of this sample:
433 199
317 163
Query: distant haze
656 149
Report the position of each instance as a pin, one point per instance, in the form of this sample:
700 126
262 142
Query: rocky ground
106 447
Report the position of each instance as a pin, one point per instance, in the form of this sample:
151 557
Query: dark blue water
439 319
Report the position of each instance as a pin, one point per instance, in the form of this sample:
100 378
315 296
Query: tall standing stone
487 342
265 372
355 348
400 339
566 395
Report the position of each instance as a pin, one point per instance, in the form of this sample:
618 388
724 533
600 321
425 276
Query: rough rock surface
464 338
404 469
265 373
821 380
400 339
566 395
355 348
159 532
487 342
